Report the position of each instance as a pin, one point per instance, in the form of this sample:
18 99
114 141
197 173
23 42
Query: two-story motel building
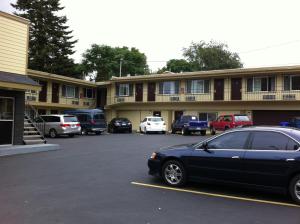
268 95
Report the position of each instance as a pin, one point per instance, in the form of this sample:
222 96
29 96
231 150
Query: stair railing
35 118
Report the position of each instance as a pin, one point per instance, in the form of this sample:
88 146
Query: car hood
178 147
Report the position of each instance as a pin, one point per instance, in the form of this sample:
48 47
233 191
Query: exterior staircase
32 135
34 127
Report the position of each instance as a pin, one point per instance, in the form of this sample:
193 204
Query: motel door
236 87
219 89
151 91
139 92
55 92
6 120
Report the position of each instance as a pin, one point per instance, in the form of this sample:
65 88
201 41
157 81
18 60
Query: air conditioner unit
289 97
31 98
120 99
190 98
269 97
174 98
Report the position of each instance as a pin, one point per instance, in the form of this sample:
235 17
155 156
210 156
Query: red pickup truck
225 122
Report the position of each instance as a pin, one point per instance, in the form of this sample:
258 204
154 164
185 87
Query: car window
232 140
98 116
241 118
155 119
70 119
220 118
227 118
268 140
144 120
292 145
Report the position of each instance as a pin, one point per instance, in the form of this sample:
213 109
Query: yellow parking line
215 195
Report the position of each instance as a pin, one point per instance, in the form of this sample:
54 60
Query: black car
119 125
267 157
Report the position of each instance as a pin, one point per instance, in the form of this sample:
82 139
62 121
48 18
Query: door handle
290 160
235 157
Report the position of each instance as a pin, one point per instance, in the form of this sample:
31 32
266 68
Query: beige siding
13 45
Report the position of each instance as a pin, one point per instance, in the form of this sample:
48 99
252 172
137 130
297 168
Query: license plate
123 124
156 123
198 128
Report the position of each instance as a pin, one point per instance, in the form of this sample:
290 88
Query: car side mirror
296 147
205 148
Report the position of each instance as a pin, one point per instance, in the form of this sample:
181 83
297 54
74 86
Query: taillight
65 125
78 125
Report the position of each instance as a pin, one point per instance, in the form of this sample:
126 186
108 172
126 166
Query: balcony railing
279 95
81 102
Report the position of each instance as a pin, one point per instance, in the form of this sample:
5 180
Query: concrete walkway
23 149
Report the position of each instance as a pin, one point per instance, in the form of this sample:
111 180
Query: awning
14 81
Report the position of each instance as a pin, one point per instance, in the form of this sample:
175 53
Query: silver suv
61 124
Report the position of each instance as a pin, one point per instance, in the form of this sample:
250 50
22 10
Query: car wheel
212 131
174 173
226 128
141 130
163 132
184 131
71 135
84 131
98 132
130 130
173 131
53 133
294 189
203 133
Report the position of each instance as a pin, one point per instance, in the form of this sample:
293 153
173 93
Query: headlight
117 124
153 156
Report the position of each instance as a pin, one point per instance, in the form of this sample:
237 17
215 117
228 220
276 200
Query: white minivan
153 124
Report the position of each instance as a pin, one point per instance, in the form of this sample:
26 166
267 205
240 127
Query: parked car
267 157
119 125
153 124
91 120
294 122
226 122
187 124
60 124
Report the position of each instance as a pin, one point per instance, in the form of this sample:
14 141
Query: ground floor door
273 117
6 120
43 92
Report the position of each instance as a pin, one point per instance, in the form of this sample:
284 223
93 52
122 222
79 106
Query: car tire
174 173
52 133
294 187
212 131
71 135
203 133
184 131
226 128
130 130
98 132
84 131
173 131
163 132
141 130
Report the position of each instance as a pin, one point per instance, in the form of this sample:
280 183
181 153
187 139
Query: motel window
197 86
88 93
169 87
292 82
257 84
124 89
70 91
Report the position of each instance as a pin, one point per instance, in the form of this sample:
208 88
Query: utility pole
121 60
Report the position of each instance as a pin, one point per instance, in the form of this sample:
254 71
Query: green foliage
50 43
101 62
176 65
209 56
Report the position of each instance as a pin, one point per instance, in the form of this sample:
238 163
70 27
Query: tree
177 65
101 62
209 56
50 40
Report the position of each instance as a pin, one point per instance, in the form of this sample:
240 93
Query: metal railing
37 121
227 95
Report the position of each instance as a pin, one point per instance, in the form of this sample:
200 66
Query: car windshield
155 119
98 116
122 120
241 118
70 119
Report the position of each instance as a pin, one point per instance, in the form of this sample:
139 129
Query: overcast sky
263 33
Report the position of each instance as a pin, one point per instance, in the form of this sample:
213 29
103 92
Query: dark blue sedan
266 157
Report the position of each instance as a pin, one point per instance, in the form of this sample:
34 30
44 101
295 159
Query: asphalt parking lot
104 179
